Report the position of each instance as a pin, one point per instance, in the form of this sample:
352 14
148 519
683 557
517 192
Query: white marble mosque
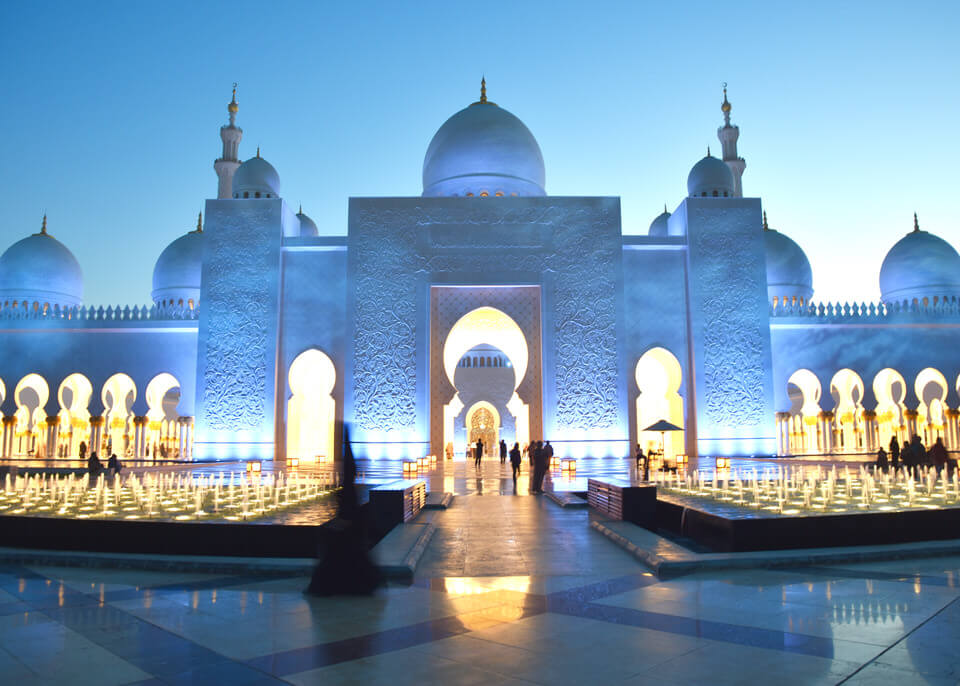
484 307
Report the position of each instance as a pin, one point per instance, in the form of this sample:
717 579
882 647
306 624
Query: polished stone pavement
513 589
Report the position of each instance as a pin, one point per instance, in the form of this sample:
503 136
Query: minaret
728 136
228 163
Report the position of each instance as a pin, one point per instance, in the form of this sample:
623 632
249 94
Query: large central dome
483 150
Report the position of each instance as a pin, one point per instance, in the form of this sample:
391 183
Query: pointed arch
30 395
890 390
118 394
931 388
803 427
74 397
311 409
846 387
658 375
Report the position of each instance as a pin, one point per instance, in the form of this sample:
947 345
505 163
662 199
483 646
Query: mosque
484 308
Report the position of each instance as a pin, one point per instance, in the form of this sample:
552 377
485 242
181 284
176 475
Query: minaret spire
227 164
728 135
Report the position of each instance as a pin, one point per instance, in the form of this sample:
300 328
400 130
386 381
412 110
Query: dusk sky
111 113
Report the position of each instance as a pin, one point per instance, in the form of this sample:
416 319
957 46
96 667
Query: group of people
539 453
95 466
914 454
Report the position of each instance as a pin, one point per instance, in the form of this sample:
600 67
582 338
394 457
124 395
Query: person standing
539 466
503 451
882 459
478 453
515 461
894 453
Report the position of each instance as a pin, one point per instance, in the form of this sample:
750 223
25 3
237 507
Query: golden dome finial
916 222
664 208
200 222
766 227
233 107
725 107
300 211
483 88
258 151
708 151
43 227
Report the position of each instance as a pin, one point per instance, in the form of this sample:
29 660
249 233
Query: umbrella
663 426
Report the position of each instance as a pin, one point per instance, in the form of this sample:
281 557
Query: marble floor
513 589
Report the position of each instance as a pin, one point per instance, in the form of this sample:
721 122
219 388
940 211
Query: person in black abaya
344 565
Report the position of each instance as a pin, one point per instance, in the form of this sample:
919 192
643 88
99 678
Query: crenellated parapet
99 314
833 313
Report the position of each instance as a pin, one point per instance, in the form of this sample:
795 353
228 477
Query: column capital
53 421
9 420
96 421
911 414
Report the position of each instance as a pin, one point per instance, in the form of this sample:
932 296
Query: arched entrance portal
492 327
311 409
483 423
658 376
30 395
74 396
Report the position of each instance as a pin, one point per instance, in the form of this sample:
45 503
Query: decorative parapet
94 315
835 313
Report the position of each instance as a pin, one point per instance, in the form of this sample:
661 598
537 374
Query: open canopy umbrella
663 426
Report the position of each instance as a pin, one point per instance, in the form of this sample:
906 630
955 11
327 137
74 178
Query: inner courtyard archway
658 376
483 333
311 409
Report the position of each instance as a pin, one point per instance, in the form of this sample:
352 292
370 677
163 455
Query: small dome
176 275
483 149
710 177
658 227
920 265
40 269
307 225
788 270
256 178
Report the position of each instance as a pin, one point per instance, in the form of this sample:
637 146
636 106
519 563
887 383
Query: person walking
515 461
478 453
503 451
895 453
938 454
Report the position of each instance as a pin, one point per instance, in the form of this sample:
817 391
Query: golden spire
300 211
916 223
483 88
664 208
765 226
43 227
258 151
200 222
708 151
233 107
725 107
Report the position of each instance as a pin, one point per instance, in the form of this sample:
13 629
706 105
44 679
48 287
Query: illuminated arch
848 412
118 395
890 389
490 326
74 397
311 409
931 418
489 434
161 433
30 435
803 437
658 375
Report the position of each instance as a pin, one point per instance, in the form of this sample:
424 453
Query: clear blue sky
110 112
